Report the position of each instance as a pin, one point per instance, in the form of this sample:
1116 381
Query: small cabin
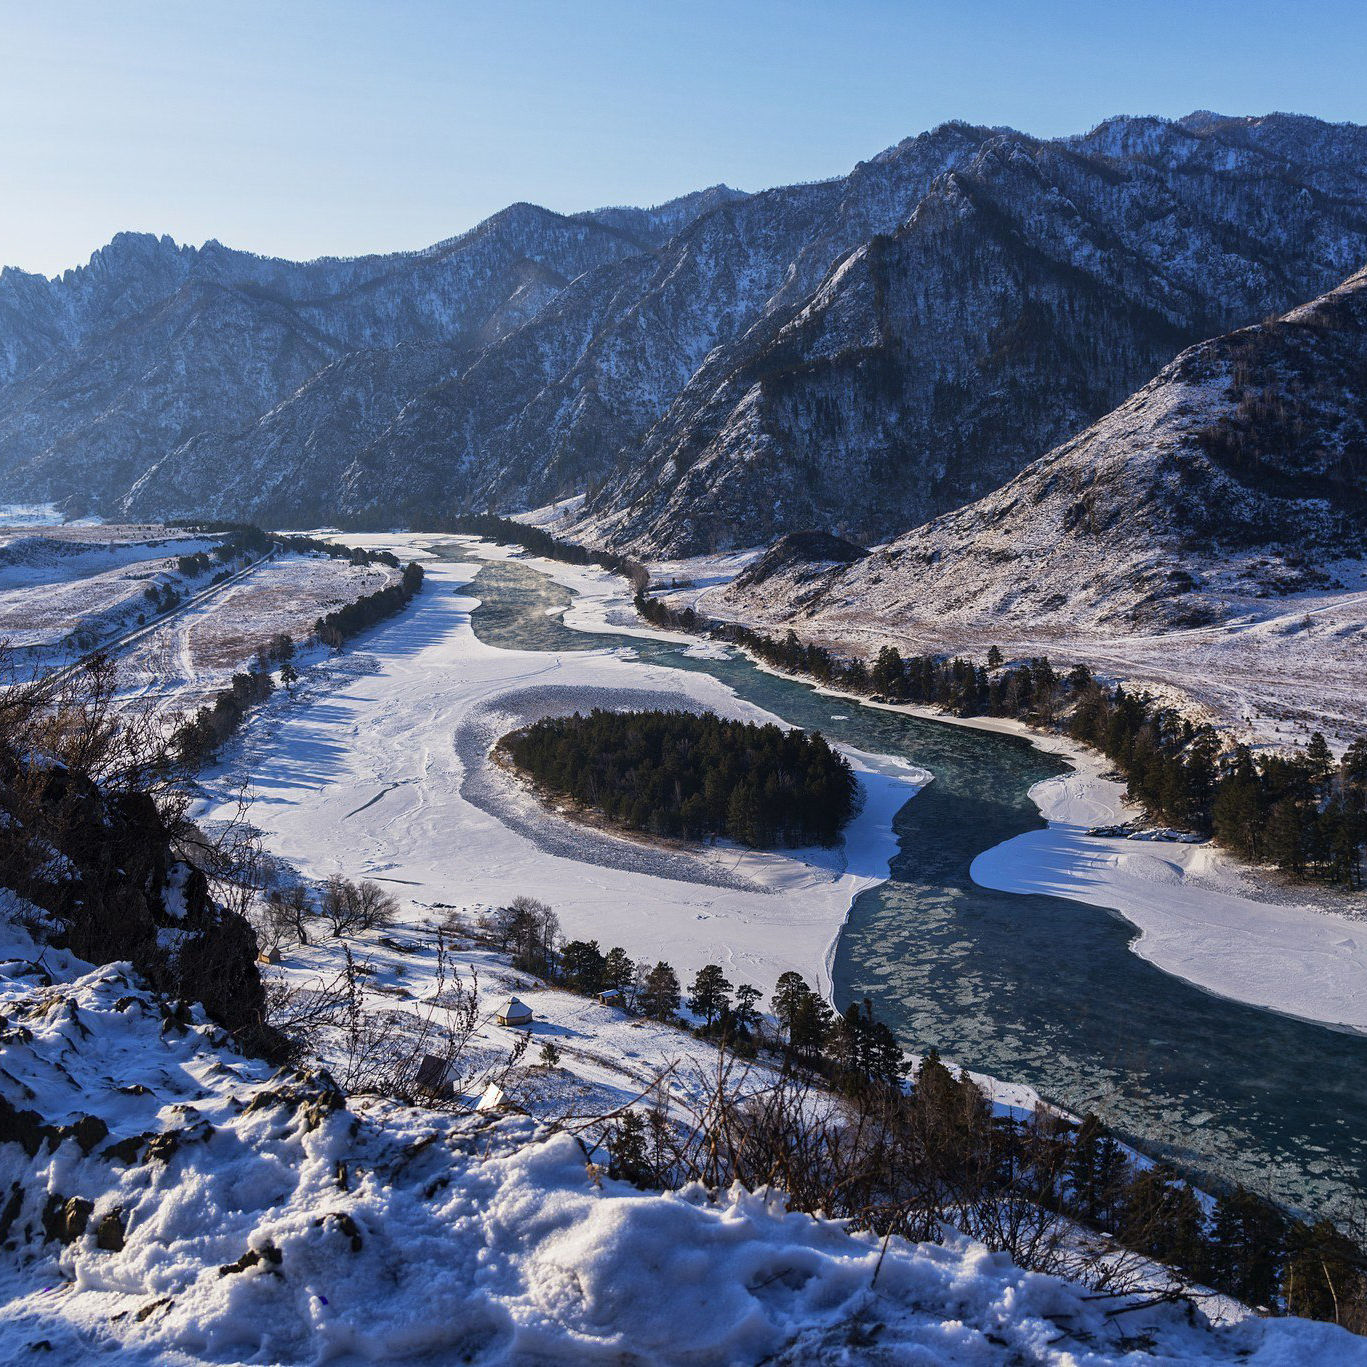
514 1012
613 997
432 1075
268 956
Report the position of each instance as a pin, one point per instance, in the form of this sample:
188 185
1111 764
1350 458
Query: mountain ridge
861 352
1239 472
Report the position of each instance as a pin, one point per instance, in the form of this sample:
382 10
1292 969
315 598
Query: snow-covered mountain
1239 472
111 368
1032 287
859 353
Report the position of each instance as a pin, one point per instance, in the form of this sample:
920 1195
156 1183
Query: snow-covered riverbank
365 778
1200 916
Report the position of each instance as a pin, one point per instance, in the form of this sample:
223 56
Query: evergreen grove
693 775
1303 812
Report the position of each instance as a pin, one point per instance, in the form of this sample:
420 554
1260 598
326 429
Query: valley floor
359 773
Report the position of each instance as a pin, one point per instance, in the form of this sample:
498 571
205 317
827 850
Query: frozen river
1030 987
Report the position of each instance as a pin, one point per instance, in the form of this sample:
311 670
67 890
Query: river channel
1032 988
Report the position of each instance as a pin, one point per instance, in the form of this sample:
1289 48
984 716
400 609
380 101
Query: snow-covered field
197 650
69 588
56 581
1277 670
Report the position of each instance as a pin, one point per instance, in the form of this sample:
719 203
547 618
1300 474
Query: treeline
1303 812
250 537
913 1148
542 543
364 612
198 738
192 566
693 775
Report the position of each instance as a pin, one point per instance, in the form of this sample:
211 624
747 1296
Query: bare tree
350 907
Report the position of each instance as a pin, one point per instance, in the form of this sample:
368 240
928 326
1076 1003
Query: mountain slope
114 366
860 353
1029 291
558 406
1239 472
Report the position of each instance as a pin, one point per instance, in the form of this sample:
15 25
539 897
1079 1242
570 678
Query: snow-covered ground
1199 915
202 1209
57 581
1276 670
196 651
41 515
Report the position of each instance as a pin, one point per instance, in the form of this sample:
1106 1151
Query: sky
302 128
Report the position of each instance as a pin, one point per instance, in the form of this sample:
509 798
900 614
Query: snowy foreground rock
162 1195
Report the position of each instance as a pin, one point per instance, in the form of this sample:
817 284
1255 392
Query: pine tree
1324 1274
582 966
618 970
790 993
710 994
628 1160
747 1014
1321 763
660 992
1246 1245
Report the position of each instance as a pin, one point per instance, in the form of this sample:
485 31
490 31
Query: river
1032 988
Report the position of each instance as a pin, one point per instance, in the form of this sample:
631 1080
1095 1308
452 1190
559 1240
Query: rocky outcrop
103 876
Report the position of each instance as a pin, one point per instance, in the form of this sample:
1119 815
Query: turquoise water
1031 988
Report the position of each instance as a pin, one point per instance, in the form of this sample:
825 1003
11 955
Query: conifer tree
710 994
660 992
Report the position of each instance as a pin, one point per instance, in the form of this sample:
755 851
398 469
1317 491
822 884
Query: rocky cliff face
1239 472
100 874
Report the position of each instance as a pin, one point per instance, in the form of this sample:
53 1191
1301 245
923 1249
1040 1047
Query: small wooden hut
514 1012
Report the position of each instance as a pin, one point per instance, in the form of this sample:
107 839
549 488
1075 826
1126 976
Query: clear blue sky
301 128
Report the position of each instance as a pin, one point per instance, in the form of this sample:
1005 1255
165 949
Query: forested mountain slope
110 368
1031 289
1238 473
860 353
